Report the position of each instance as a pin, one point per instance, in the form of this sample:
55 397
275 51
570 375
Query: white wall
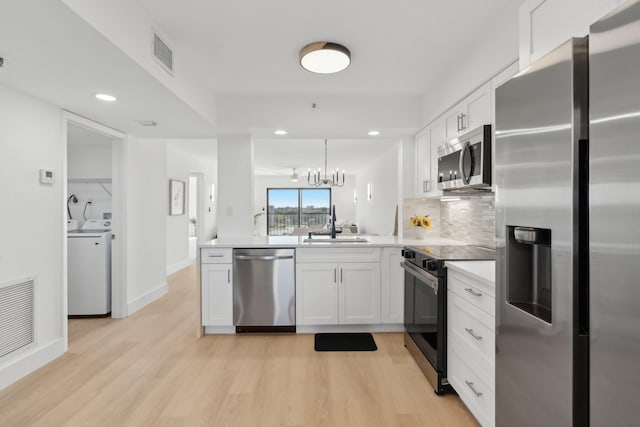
31 219
377 216
85 161
181 162
146 227
235 186
484 57
342 197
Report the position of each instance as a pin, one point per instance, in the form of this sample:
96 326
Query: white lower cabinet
316 294
392 286
217 294
471 343
335 293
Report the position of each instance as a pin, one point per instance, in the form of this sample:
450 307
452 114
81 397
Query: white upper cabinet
423 164
546 24
478 107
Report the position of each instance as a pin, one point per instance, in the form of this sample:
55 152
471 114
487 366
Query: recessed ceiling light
374 132
324 57
106 97
280 132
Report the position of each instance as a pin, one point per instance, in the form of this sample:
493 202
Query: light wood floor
150 370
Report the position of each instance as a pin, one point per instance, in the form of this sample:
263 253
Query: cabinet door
316 294
437 132
359 293
217 295
453 120
392 286
478 108
423 164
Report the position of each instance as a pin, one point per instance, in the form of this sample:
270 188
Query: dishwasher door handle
262 258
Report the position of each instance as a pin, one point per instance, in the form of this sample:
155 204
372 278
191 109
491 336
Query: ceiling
249 46
79 136
279 157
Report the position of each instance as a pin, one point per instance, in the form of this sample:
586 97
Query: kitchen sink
342 239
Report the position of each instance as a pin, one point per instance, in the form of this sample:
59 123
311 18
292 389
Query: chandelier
314 179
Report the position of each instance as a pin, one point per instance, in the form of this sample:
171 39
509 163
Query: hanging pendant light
294 176
315 180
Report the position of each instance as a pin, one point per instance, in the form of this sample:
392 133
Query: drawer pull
216 256
470 332
470 385
472 292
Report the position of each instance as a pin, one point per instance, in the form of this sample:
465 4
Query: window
289 208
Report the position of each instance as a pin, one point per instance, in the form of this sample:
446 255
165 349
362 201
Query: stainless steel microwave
464 163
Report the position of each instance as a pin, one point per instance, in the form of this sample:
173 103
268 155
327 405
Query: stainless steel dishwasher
264 290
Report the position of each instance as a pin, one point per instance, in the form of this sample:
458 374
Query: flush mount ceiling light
294 176
106 97
317 181
324 57
374 132
280 132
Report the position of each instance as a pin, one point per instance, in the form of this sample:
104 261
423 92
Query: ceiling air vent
162 53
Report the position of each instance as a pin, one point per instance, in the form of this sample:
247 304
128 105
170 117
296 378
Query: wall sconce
212 192
355 196
369 196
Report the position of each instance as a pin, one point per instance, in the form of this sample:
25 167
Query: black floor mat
345 342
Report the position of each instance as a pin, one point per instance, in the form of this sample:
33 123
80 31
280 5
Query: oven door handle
429 279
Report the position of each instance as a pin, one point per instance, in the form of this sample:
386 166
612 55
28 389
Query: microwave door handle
466 150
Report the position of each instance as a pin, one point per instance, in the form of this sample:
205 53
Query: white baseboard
25 363
179 265
219 330
313 329
148 298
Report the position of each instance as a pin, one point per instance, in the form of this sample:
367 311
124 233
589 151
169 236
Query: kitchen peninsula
340 284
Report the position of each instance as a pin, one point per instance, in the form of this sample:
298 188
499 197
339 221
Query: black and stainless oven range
425 305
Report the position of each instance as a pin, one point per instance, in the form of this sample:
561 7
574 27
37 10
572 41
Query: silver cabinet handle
458 123
262 258
335 275
228 275
340 275
472 292
462 126
470 332
215 256
470 385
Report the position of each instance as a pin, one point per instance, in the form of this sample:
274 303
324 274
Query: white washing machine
89 265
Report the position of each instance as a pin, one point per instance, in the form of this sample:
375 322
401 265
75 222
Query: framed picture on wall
176 197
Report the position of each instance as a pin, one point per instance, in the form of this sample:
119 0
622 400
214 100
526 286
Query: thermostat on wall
46 176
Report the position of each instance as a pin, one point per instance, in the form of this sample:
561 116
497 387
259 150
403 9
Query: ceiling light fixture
324 57
374 132
318 181
294 176
280 132
106 97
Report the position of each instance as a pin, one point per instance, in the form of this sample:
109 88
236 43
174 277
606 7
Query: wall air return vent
162 53
17 326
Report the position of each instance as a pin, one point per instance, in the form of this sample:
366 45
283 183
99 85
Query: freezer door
541 114
89 276
614 215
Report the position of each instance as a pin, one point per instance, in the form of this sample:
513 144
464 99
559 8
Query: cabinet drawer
338 255
476 292
215 256
474 391
472 326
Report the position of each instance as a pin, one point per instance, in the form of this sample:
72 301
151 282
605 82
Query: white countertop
483 270
298 241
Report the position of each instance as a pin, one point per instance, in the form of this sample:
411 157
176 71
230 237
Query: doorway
94 251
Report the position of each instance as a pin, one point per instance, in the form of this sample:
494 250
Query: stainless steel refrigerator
567 165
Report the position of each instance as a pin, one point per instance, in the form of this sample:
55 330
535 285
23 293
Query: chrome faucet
333 222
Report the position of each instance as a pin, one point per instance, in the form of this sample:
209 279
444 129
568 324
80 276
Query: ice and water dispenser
529 270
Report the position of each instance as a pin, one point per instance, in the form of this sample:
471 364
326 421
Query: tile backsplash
472 219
